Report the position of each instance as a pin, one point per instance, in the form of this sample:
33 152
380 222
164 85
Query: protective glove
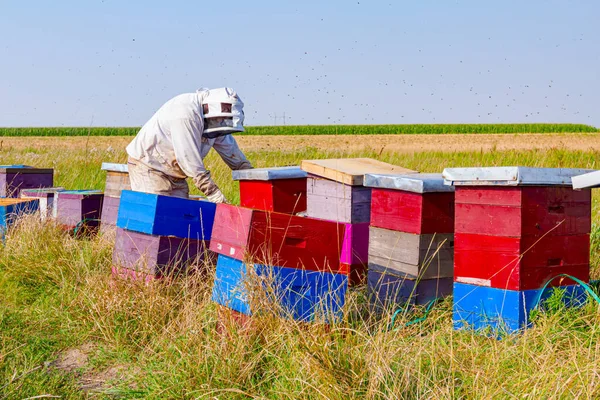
210 189
217 197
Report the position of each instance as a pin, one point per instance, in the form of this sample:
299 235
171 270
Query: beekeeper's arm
186 136
231 153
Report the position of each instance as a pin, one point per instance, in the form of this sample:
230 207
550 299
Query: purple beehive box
14 178
77 208
110 211
154 255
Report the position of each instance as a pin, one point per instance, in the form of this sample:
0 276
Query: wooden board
412 212
277 239
283 195
350 171
479 307
522 211
520 263
413 256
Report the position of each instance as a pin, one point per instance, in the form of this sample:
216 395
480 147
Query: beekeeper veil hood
223 112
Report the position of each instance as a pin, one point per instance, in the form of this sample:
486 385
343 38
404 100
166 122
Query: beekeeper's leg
144 179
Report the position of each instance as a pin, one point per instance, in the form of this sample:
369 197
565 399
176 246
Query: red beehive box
280 189
415 203
278 239
516 228
523 211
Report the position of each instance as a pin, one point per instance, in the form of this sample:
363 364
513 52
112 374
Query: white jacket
172 142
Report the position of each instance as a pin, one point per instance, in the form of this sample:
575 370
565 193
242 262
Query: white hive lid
510 176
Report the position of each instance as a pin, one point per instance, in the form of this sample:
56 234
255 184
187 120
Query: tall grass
161 340
408 129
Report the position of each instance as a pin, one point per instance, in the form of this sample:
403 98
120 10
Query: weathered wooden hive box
411 241
335 188
300 294
516 229
11 209
14 178
79 209
117 180
281 189
160 236
47 200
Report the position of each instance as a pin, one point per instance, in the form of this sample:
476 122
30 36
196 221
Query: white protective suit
170 147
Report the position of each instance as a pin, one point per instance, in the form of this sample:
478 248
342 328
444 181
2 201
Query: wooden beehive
334 201
117 179
299 294
79 209
516 228
410 255
277 239
157 256
14 178
166 216
520 263
388 289
415 203
505 311
280 189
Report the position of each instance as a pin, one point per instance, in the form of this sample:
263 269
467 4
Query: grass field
67 329
406 129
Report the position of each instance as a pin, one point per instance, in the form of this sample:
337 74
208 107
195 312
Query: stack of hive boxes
14 178
293 261
516 229
159 236
297 259
79 211
117 180
411 241
335 192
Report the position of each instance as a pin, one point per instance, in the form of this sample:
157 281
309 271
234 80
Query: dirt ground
388 143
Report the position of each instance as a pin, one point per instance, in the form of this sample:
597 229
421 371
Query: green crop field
68 330
329 130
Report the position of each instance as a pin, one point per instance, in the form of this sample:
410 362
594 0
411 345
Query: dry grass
57 298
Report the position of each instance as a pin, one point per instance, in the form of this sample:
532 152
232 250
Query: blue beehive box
480 307
11 208
166 216
302 294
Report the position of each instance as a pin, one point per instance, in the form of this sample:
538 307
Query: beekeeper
172 145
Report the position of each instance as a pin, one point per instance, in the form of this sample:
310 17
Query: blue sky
113 63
